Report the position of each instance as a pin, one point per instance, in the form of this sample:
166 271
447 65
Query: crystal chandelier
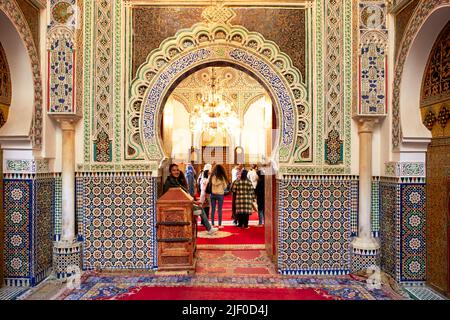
212 113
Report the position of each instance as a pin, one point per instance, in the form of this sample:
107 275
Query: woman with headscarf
190 178
245 195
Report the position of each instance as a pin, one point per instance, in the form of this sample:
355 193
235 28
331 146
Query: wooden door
271 217
2 223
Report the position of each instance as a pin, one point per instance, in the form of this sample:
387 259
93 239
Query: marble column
68 180
67 251
365 247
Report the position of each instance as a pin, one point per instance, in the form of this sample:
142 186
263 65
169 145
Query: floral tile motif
403 230
413 233
18 210
28 229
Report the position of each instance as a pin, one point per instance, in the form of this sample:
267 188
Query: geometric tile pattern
18 219
314 226
355 209
403 230
389 224
376 207
118 212
57 219
364 262
65 258
44 193
413 233
29 206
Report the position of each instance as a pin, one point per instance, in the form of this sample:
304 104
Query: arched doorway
220 44
435 110
17 102
257 122
410 134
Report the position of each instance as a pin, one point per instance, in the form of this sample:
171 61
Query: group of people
212 184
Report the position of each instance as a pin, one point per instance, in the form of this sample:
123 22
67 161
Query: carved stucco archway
15 15
210 44
403 92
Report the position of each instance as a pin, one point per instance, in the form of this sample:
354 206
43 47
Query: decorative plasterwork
237 88
405 169
103 98
102 80
396 6
26 166
64 12
435 96
5 79
436 118
373 58
13 12
422 12
256 3
61 61
203 44
42 4
334 99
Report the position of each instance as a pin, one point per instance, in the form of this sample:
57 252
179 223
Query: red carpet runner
204 293
234 235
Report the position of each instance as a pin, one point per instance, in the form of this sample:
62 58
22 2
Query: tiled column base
364 259
66 258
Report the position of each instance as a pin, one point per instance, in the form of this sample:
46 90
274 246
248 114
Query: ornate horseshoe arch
12 10
218 43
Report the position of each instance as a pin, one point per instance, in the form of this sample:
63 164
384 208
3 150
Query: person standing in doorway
253 176
219 183
190 178
245 195
234 173
205 198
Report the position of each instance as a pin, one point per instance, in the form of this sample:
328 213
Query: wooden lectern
177 231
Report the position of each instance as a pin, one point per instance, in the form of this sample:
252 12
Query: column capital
66 121
366 124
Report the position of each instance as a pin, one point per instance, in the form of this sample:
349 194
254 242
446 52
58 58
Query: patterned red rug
205 293
234 263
